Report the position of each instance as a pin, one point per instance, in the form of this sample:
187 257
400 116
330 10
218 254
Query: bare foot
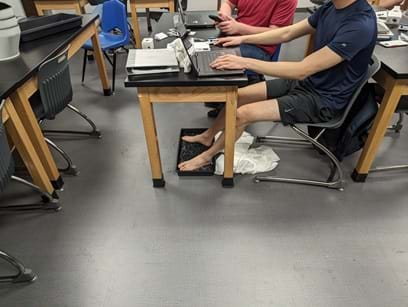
202 138
195 163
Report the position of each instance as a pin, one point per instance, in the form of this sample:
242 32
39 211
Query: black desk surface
182 79
15 72
394 60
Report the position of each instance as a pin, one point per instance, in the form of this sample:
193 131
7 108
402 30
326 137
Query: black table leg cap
107 92
228 182
357 177
58 184
159 183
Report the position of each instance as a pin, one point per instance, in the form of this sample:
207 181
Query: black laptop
201 60
195 20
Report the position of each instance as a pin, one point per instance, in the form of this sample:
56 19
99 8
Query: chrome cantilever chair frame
336 177
335 167
23 274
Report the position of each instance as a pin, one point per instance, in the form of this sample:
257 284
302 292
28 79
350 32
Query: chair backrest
6 160
54 84
373 67
114 16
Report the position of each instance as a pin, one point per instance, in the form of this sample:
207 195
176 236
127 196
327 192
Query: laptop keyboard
204 59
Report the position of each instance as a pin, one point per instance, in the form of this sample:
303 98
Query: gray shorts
297 103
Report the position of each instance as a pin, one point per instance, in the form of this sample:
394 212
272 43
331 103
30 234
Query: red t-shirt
266 13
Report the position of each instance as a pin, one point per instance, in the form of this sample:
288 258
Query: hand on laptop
229 61
229 26
229 41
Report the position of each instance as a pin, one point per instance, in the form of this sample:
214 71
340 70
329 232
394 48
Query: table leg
171 6
392 96
103 75
22 105
135 23
39 9
150 130
230 130
25 148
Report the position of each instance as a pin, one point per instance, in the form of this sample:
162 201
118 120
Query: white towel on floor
249 160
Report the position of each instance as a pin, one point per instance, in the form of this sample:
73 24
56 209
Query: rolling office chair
336 122
54 96
114 18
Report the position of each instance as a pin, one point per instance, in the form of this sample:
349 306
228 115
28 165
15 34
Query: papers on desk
151 61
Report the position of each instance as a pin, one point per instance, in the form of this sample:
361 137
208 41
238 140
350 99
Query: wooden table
146 4
18 82
393 77
186 88
46 5
22 142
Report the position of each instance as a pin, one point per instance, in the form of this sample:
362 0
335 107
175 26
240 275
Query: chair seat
108 41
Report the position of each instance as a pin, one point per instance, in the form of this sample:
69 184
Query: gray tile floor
119 242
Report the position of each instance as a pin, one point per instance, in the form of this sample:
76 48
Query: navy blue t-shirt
350 32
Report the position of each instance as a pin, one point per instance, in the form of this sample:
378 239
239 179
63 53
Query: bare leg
246 95
266 110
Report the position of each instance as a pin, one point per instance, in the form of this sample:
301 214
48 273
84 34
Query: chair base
389 168
49 202
93 133
70 169
24 274
335 167
338 185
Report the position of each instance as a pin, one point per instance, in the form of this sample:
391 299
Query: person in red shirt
254 16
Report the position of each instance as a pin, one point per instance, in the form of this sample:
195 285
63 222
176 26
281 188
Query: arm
271 37
318 61
232 27
226 9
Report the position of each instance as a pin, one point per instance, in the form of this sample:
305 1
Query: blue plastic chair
114 18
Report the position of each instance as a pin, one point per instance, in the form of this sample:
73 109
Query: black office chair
335 166
54 96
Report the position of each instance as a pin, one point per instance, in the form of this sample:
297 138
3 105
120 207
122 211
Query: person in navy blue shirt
309 91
